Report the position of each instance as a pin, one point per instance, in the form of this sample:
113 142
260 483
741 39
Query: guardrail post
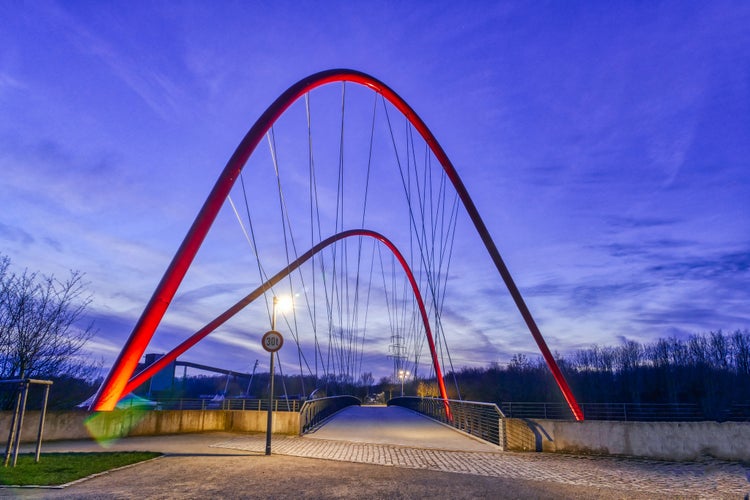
501 437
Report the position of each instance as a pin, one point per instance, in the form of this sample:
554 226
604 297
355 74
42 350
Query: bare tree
720 350
40 331
741 349
366 380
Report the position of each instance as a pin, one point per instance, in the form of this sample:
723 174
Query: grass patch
61 468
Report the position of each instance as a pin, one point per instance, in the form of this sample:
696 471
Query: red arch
113 385
152 369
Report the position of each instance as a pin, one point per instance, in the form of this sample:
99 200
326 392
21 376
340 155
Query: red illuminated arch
113 386
162 362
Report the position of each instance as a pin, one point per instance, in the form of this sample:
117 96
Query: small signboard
272 341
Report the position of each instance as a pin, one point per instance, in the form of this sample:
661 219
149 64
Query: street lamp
283 304
272 342
402 374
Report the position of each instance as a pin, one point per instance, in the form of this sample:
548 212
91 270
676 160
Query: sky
605 144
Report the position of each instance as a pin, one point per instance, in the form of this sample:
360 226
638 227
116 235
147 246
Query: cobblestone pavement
706 479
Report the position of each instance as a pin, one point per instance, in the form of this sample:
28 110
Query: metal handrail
482 420
629 412
315 411
639 412
284 405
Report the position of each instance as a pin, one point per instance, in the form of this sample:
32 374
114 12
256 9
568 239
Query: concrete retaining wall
659 440
106 425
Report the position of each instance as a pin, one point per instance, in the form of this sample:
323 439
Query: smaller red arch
172 355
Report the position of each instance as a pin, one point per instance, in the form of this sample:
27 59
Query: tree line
710 369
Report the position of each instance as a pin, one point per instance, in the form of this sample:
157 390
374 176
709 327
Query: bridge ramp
397 426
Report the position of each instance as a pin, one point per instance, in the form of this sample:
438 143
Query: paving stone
706 479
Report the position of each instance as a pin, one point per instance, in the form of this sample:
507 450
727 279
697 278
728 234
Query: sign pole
272 342
269 419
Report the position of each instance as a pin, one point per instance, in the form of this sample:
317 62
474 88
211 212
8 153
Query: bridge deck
396 426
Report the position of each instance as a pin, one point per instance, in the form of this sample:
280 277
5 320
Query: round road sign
272 341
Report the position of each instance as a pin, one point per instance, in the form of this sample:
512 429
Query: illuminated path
710 479
224 464
393 425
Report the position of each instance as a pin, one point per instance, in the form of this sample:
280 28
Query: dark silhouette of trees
40 335
711 370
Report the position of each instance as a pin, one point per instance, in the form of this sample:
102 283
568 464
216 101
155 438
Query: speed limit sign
272 341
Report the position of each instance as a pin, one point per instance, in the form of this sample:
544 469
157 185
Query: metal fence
482 420
214 404
315 411
467 414
637 412
485 420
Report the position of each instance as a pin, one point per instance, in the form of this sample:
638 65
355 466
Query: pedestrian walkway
398 426
708 479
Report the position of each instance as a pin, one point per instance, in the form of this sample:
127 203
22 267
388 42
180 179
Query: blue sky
606 145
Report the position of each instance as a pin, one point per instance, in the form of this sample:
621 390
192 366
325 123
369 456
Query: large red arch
112 388
172 355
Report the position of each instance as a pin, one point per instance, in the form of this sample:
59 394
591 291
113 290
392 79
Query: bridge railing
643 412
638 412
291 405
315 411
482 420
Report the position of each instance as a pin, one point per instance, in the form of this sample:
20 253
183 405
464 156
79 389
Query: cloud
32 168
53 243
17 234
214 290
731 265
162 94
9 84
621 222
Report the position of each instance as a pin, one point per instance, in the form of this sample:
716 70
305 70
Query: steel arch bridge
119 378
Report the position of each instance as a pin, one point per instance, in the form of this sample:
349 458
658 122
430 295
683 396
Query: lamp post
272 342
402 374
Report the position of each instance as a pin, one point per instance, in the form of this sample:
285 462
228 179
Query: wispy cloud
32 168
733 265
9 83
159 91
16 234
